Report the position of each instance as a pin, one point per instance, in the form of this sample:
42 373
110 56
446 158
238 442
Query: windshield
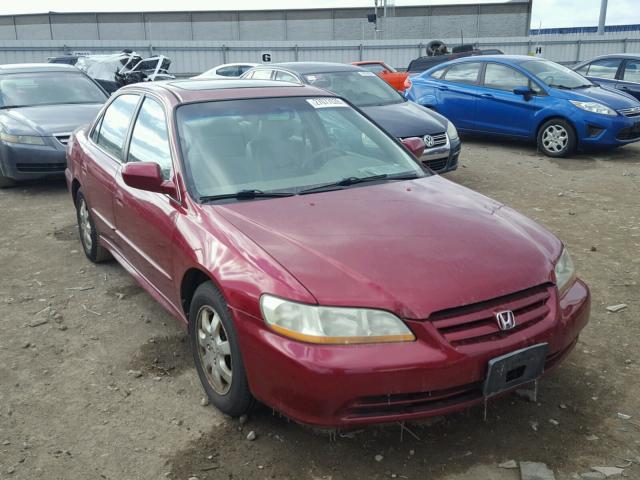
555 75
283 145
362 88
48 88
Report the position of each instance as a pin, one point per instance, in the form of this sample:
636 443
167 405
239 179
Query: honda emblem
506 320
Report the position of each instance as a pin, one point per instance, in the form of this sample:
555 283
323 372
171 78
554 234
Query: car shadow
553 430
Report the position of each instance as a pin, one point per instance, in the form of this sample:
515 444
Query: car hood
49 119
411 247
406 119
611 98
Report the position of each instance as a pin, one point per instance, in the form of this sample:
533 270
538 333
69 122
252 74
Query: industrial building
423 22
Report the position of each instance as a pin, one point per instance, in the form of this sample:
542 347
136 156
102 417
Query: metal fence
192 57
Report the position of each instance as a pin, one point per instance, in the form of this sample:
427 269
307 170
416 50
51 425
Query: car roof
632 56
313 67
36 67
196 90
513 59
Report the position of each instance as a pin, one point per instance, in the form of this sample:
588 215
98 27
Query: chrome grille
63 138
630 112
439 140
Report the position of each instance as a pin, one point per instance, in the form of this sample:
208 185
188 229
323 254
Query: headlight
25 139
451 131
565 272
594 107
332 325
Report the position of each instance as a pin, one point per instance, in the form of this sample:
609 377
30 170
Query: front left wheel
216 352
556 138
88 233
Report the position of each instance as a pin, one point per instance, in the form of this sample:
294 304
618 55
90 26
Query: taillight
407 83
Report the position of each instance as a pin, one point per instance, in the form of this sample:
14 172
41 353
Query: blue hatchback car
530 98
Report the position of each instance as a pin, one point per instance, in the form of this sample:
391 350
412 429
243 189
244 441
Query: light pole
603 16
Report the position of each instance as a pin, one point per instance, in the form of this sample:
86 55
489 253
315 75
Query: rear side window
632 71
262 74
504 78
115 124
605 68
463 73
244 68
230 71
150 137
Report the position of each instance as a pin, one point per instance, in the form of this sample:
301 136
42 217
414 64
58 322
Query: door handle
119 199
442 87
486 95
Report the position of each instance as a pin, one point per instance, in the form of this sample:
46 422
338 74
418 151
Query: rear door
102 160
630 78
457 94
146 220
499 110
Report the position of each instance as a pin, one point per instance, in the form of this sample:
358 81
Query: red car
317 266
389 74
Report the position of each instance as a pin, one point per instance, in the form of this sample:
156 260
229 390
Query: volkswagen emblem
429 141
506 320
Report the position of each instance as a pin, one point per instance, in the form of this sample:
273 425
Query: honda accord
317 266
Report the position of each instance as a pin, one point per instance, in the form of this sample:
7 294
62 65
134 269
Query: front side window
285 77
48 88
605 68
463 73
283 145
115 124
150 137
262 74
504 78
632 71
362 88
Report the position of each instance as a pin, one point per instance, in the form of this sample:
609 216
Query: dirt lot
106 388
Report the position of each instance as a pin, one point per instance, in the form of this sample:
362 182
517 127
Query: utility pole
603 16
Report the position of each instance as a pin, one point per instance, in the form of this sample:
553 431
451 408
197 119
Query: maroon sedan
317 266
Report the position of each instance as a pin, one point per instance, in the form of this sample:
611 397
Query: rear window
463 73
362 88
48 88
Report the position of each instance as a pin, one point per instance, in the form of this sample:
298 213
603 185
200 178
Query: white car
227 70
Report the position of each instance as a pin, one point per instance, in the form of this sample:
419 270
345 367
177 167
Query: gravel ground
96 380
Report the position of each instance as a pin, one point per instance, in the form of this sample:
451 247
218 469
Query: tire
557 138
216 352
88 233
6 182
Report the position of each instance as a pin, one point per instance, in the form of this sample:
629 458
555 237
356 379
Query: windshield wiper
348 181
245 195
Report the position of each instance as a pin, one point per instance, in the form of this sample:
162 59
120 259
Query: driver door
146 221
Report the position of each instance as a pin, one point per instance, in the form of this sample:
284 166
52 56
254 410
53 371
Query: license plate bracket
515 369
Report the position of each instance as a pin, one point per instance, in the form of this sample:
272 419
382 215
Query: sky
551 13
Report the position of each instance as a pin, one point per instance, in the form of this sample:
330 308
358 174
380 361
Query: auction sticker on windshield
325 102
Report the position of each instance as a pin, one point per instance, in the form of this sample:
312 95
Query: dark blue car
619 71
529 98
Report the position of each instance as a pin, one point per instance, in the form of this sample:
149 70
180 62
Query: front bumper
27 162
601 131
353 385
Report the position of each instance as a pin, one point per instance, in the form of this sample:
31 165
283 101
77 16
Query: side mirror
147 176
526 92
415 145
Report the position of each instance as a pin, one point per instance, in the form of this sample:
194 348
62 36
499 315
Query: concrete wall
488 20
195 56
